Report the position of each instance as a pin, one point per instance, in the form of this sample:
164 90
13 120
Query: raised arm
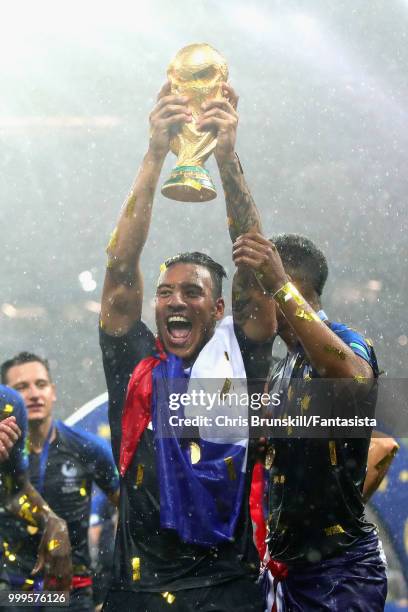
328 354
122 295
221 116
251 309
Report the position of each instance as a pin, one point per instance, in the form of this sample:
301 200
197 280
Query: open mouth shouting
179 329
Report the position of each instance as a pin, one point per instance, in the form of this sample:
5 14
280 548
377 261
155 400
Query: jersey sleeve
12 404
357 343
120 355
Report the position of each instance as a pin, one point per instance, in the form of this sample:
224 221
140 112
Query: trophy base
189 184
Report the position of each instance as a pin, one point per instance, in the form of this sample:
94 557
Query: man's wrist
270 287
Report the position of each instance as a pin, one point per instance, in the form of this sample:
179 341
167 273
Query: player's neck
38 432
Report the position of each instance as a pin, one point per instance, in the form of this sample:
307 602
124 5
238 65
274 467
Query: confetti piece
8 408
230 467
360 379
139 474
113 241
270 456
306 315
333 453
195 453
335 351
163 268
279 479
287 293
305 402
136 568
53 545
130 206
333 530
169 597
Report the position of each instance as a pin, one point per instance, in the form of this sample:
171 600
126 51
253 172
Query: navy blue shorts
354 581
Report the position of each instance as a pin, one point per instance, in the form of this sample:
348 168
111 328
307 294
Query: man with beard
176 550
317 525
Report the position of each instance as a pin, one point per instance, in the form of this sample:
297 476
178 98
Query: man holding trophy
184 534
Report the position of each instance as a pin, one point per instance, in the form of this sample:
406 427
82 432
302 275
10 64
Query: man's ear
219 308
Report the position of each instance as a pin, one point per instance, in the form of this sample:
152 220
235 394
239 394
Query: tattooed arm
221 116
122 296
253 311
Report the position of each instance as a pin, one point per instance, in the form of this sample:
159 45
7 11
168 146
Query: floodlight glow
87 281
306 26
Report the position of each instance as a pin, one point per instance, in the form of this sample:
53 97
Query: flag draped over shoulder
200 492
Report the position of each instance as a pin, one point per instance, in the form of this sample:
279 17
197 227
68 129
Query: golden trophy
197 71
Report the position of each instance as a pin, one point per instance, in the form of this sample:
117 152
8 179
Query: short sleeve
357 343
120 355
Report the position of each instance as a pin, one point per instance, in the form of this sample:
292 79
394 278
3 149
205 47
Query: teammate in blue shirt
317 525
63 464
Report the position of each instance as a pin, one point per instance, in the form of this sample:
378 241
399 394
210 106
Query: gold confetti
403 476
113 240
28 584
279 479
53 545
332 349
104 431
139 474
270 457
32 530
8 409
169 597
305 402
333 530
195 453
383 485
229 462
82 491
333 453
135 569
130 206
110 263
360 379
306 315
163 268
101 324
226 387
11 557
287 293
369 341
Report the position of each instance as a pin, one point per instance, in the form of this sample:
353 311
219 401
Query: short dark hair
201 259
303 258
20 359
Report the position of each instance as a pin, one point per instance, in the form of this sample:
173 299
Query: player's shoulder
361 345
83 441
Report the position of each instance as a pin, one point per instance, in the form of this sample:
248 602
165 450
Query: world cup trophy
197 72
